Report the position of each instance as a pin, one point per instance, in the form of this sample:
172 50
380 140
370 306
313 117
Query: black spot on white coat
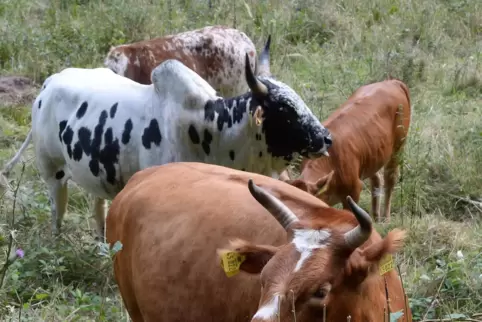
208 138
67 139
94 167
62 126
82 109
98 131
59 175
108 156
193 134
84 135
108 137
229 111
152 134
113 110
39 104
126 135
77 154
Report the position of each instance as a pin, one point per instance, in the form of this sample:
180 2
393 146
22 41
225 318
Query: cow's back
216 53
367 122
187 282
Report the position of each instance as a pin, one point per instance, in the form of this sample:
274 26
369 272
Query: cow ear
298 183
322 184
312 188
361 262
252 258
391 244
284 176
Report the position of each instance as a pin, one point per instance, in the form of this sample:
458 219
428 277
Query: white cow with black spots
98 128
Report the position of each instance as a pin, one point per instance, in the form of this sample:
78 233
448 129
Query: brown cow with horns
174 220
369 132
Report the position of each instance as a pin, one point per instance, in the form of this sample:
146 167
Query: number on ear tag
386 264
231 262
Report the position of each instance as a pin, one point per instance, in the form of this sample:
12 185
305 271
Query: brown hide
368 131
216 53
172 219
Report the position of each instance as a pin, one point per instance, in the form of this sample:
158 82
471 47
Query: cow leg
56 179
58 202
390 176
375 182
99 215
354 193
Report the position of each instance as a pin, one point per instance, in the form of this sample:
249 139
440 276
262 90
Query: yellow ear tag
231 262
386 264
325 187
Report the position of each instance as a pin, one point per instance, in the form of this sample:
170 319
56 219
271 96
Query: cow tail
17 156
405 89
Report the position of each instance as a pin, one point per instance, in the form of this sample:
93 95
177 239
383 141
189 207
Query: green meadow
325 50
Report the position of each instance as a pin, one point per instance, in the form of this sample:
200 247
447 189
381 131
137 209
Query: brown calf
369 130
216 53
173 221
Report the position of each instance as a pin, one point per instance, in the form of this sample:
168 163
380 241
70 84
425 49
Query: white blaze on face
307 240
269 310
117 62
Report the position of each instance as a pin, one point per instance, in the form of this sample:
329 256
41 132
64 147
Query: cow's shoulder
174 81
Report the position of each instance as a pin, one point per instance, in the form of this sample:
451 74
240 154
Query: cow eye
322 291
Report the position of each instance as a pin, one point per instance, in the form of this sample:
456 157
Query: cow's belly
102 178
96 185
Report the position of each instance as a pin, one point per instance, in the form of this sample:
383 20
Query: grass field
324 50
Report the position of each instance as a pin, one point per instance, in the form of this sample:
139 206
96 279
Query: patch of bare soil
16 91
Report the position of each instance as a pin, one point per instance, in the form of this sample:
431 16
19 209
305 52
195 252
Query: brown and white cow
216 53
369 132
175 220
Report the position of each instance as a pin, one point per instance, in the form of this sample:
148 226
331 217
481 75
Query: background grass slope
324 50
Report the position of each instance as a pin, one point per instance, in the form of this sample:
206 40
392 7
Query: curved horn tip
257 87
268 43
350 200
360 234
362 216
247 59
251 186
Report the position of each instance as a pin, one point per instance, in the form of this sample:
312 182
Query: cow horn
279 210
254 84
263 66
358 235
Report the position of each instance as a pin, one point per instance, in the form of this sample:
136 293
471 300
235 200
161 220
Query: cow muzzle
327 143
319 154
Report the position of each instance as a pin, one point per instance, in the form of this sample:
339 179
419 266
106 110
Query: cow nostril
327 141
